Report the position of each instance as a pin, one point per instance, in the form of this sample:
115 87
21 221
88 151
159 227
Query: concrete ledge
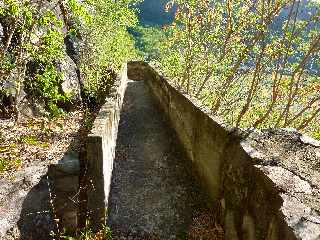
253 204
101 152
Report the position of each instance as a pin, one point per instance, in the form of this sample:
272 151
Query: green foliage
147 41
316 135
41 40
249 62
48 82
33 140
99 28
11 161
80 13
9 164
29 140
106 42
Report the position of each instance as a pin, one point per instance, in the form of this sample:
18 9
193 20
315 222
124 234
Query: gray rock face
25 205
291 161
30 107
308 140
72 44
70 83
36 196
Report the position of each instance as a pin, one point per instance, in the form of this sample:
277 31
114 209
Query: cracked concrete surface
291 161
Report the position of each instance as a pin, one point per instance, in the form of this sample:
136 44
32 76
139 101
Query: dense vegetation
38 37
45 45
253 63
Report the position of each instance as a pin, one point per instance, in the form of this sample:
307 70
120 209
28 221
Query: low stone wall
101 152
244 176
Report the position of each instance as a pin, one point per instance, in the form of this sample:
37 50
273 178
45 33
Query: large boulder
70 85
30 107
72 44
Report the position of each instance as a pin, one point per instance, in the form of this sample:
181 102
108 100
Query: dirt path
153 193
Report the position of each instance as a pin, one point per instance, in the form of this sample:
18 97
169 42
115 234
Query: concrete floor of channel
153 193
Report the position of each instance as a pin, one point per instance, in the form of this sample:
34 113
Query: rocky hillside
45 48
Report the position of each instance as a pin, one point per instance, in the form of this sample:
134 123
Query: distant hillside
151 12
306 9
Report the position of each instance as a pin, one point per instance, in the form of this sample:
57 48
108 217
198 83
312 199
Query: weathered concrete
291 161
25 205
253 200
65 190
101 151
153 192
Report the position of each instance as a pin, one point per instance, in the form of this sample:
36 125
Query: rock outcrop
68 66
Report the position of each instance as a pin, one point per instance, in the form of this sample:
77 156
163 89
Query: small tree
34 35
255 63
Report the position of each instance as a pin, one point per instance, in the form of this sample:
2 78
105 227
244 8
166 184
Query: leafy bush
106 44
147 41
36 36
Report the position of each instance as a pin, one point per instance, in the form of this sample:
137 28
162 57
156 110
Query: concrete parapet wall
101 152
239 173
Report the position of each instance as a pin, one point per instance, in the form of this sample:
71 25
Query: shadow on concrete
153 192
54 192
36 218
